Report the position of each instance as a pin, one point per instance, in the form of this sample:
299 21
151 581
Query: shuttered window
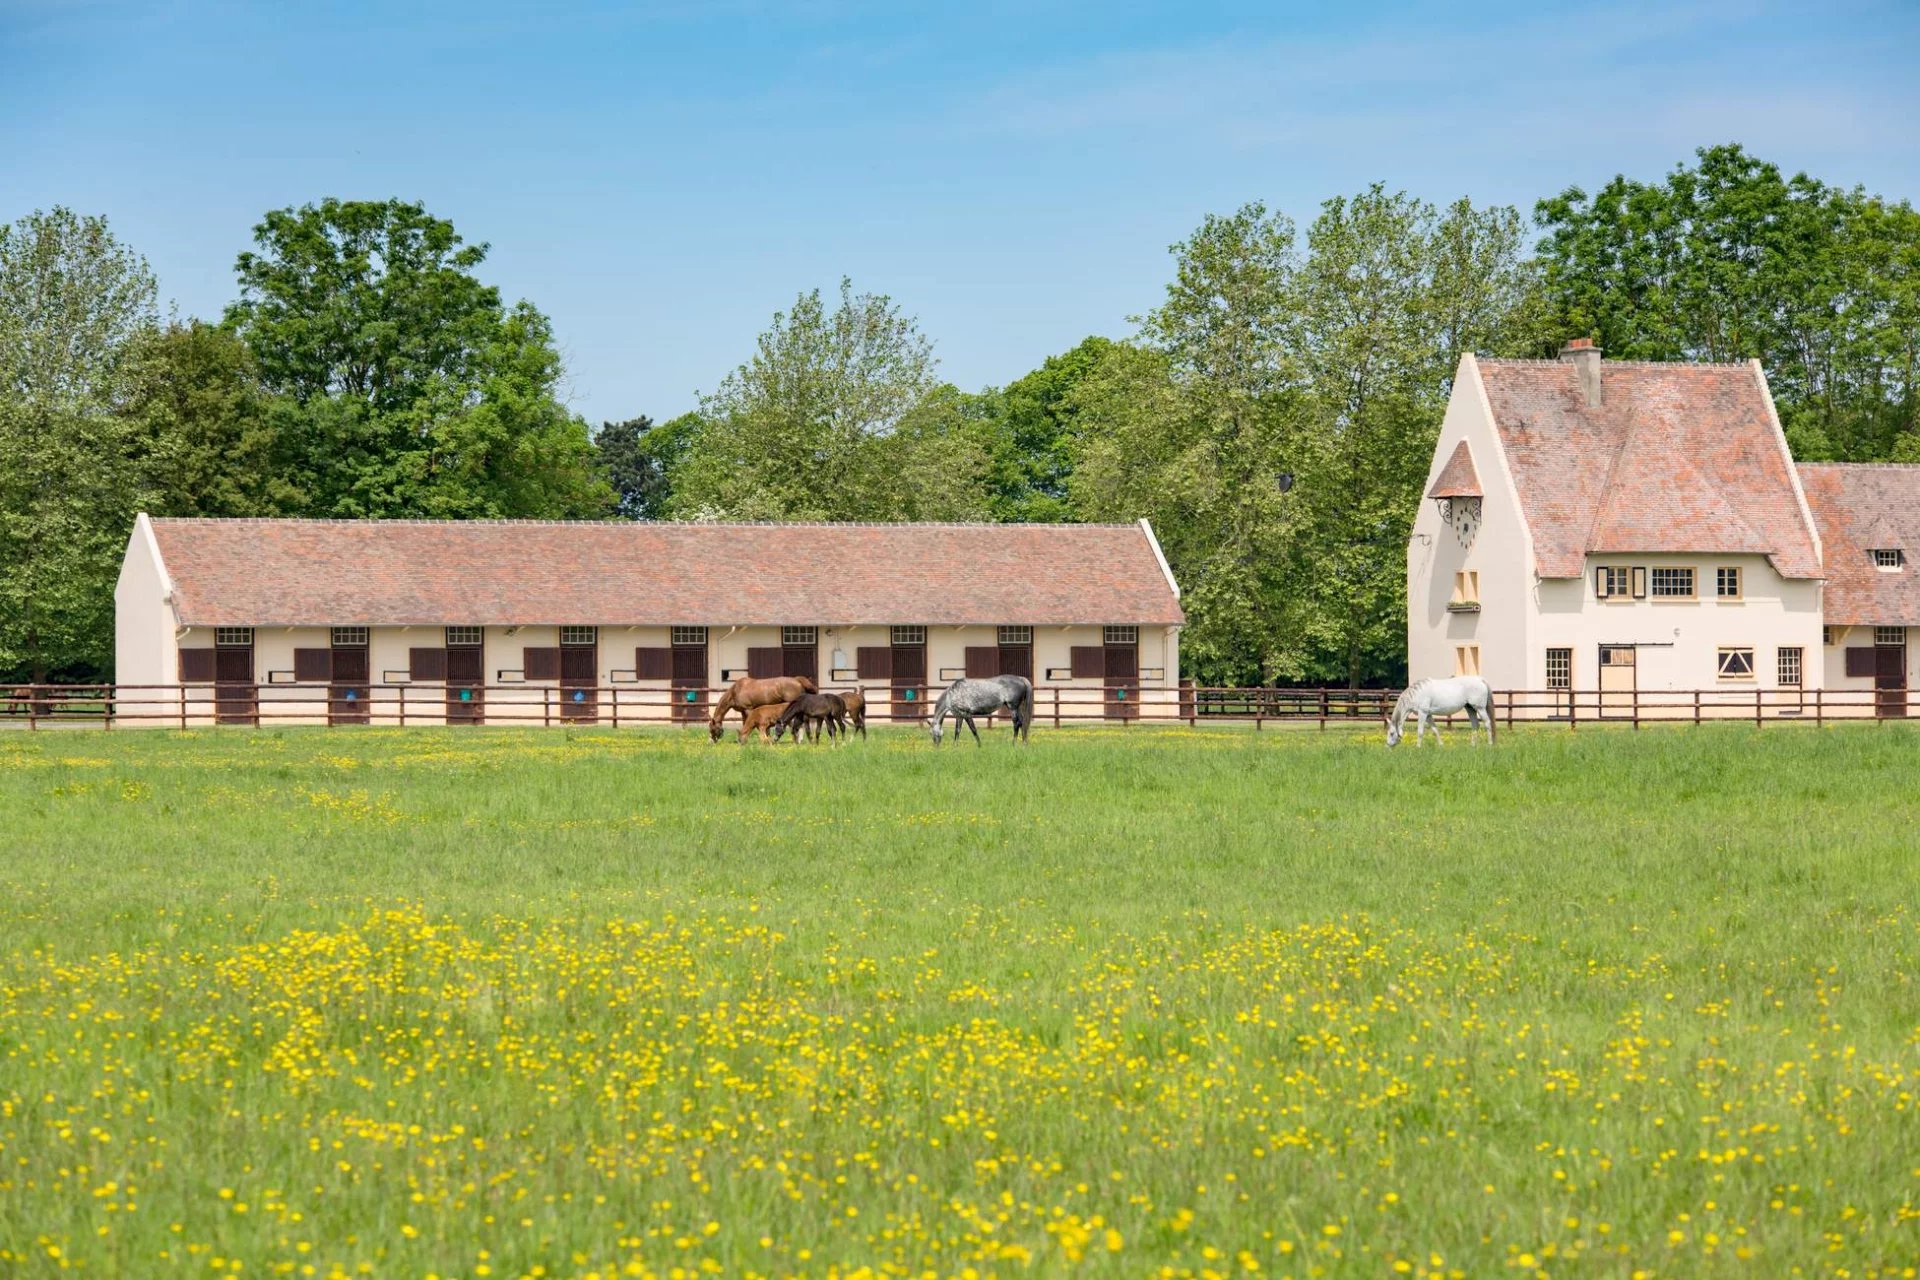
653 664
540 663
1089 662
196 666
427 664
313 666
983 661
763 662
1860 661
873 662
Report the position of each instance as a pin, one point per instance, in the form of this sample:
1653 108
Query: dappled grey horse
1432 698
965 699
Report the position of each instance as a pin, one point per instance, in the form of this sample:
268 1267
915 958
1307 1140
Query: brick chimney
1585 359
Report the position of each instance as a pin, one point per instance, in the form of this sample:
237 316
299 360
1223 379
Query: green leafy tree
1729 259
73 302
837 416
637 457
406 388
1031 444
195 404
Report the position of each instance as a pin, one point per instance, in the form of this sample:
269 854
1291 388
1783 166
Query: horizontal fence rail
420 703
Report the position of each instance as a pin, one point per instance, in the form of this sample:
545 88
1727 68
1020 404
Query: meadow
495 1003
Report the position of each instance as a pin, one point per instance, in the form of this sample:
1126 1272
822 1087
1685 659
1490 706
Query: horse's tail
1489 711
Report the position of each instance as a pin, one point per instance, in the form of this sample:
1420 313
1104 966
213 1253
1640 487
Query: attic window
1890 559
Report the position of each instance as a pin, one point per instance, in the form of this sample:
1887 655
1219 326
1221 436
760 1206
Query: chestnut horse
856 710
747 693
760 720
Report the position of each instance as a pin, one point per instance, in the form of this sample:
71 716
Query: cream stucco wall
1499 548
144 645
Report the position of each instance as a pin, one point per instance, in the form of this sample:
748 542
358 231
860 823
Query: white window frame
1890 635
579 636
465 637
1011 636
799 637
1673 572
906 635
1119 634
1789 666
1720 591
1562 678
1888 559
1727 655
233 637
347 637
686 636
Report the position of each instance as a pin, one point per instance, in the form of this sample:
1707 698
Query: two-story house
1627 527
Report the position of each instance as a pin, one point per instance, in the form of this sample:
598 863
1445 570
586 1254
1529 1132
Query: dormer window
1889 559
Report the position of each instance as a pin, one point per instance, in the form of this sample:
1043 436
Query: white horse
1431 698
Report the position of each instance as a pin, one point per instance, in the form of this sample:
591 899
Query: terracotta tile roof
1861 507
390 572
1677 457
1458 479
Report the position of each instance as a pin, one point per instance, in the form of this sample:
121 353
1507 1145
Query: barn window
1466 660
1120 635
1611 582
1892 559
349 637
1788 664
909 635
1736 664
1015 635
1466 590
579 635
1726 582
1559 668
1673 584
1889 635
462 637
689 635
232 636
799 636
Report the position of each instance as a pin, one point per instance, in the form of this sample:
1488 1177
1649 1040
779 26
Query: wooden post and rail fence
183 706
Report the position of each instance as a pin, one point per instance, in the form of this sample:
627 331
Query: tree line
1273 415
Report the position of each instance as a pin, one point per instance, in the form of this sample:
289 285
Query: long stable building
352 620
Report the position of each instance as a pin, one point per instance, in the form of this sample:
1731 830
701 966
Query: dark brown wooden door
1122 678
579 682
1016 660
235 695
690 682
909 665
1890 680
801 660
349 694
466 674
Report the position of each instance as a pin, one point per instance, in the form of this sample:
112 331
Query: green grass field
498 1003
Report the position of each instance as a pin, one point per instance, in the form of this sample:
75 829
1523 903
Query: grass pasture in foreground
520 1003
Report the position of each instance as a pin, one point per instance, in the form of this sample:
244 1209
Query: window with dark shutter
874 662
540 664
653 664
196 666
1639 582
763 662
1089 662
1860 662
983 661
427 664
313 666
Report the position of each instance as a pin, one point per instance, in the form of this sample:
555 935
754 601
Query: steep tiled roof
389 572
1676 457
1861 508
1458 479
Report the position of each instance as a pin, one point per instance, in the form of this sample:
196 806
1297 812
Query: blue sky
660 178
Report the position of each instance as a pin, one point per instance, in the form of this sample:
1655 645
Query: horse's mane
1405 700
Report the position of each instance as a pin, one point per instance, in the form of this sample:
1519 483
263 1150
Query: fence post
616 706
1056 706
1323 711
1756 708
1819 708
1696 706
1573 707
182 690
403 706
1636 702
546 707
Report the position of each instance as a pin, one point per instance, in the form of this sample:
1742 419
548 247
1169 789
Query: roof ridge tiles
653 524
1555 362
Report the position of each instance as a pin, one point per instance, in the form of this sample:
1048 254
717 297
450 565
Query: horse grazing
747 693
856 710
1431 698
760 720
965 699
808 712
